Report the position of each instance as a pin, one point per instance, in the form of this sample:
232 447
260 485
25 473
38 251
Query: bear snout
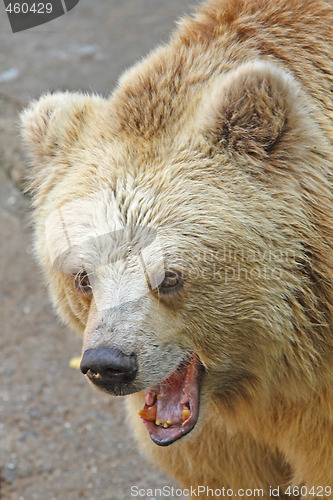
109 368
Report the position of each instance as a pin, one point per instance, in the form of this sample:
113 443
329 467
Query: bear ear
49 126
256 109
41 123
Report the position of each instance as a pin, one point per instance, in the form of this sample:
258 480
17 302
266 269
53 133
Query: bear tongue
170 399
171 408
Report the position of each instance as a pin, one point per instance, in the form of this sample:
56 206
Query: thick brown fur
222 140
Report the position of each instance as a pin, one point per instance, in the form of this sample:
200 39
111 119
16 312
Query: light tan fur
222 141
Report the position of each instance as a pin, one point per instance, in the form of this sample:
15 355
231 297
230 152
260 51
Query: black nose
108 367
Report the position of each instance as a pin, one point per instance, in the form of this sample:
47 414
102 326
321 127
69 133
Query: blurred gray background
60 439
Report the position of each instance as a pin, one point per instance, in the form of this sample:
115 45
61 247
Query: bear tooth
158 422
186 413
169 421
148 413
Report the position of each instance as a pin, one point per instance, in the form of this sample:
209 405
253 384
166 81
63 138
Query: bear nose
108 367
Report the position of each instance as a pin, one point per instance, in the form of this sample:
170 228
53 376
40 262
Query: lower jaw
174 433
180 392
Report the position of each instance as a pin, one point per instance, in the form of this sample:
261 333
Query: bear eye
82 282
173 280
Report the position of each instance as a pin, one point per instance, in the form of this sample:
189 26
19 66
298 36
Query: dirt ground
60 439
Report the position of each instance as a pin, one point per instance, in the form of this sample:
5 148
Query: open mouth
171 408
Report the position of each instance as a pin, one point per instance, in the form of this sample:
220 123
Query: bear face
165 242
163 248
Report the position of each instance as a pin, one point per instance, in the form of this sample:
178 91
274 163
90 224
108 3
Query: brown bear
185 227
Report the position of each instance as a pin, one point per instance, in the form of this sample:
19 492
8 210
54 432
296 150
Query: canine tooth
158 422
148 413
169 421
186 412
